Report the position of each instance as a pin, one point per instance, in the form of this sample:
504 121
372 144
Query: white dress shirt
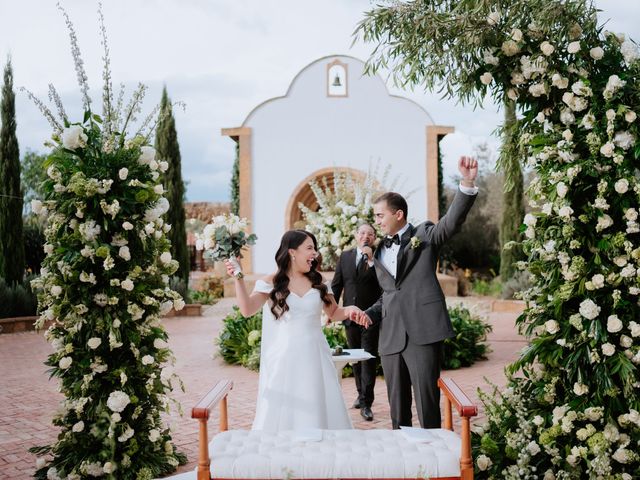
389 256
359 256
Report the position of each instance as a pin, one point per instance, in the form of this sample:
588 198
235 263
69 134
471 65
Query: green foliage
235 183
210 291
239 340
467 346
17 299
11 236
168 149
484 287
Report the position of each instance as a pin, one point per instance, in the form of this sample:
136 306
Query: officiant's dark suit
411 311
356 281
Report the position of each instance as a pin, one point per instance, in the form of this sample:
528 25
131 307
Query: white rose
512 94
630 117
565 212
510 48
629 51
552 326
486 78
154 435
147 155
533 448
73 137
118 401
614 324
573 47
483 462
122 173
65 362
596 53
608 349
516 34
546 48
124 253
622 185
108 467
159 189
147 360
94 342
127 285
127 226
530 220
589 309
538 420
78 426
159 343
561 189
608 149
625 341
163 166
165 258
56 290
610 114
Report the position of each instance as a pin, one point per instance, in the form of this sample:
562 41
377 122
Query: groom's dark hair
394 201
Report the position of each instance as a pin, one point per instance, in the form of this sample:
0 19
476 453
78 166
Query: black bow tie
388 241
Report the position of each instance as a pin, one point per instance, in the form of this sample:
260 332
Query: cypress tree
235 183
168 149
11 235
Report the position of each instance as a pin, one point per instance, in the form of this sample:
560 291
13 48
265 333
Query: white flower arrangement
101 286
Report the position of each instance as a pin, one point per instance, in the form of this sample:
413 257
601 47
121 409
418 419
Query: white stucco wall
304 131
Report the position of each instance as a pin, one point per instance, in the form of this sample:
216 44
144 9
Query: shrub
212 291
239 341
467 346
17 300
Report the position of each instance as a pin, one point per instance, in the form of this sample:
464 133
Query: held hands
468 168
356 315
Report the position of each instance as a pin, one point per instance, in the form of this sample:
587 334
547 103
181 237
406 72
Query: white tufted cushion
340 454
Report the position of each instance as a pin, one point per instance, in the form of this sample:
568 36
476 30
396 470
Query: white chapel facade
333 117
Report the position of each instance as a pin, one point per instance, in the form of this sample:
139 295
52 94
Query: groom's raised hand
468 168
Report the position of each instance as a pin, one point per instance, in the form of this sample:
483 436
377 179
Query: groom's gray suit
413 317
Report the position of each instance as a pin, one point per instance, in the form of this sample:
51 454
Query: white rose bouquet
225 238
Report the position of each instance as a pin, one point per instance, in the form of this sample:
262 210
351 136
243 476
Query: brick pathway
28 399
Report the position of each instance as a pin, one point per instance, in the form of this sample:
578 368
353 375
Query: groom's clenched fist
468 168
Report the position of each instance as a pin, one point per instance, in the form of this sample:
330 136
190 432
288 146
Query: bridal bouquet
225 238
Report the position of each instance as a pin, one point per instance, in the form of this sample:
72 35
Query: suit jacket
359 290
412 304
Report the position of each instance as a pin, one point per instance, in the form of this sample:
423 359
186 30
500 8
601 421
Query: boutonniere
415 242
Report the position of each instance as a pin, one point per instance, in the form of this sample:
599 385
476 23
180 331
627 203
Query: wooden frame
453 396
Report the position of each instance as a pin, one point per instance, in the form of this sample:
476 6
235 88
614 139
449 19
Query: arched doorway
303 193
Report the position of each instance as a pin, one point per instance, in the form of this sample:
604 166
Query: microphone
364 255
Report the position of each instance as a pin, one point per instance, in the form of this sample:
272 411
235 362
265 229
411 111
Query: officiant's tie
362 265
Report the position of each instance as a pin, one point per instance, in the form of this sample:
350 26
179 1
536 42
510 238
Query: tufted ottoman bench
336 454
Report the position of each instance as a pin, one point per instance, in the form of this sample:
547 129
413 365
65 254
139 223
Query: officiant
355 280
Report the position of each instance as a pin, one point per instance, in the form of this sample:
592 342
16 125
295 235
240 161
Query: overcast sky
221 57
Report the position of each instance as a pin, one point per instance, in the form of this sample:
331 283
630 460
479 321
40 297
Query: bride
299 388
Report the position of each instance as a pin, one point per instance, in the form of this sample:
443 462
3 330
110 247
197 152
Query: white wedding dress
299 388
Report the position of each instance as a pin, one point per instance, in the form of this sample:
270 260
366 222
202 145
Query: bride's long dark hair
292 240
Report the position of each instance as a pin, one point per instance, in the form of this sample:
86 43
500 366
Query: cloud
221 57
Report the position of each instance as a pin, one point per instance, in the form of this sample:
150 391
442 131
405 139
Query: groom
412 312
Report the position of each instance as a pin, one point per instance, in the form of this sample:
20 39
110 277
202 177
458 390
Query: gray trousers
417 366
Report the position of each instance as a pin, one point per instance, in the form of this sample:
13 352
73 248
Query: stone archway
303 193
